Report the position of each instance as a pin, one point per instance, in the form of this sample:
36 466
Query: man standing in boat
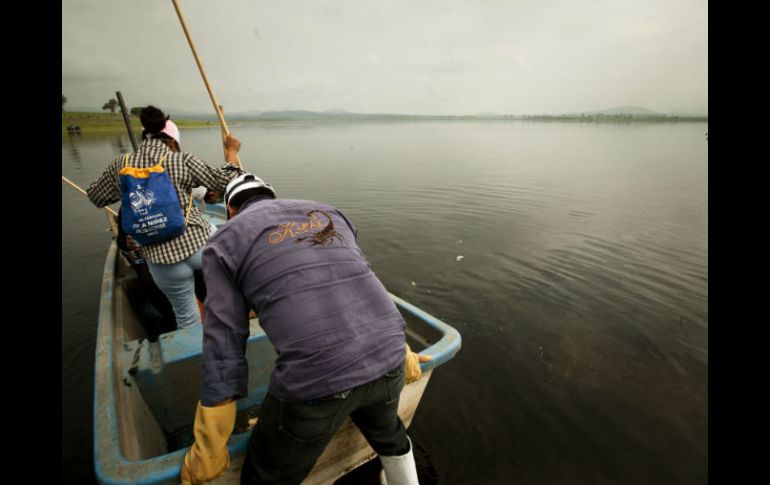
172 262
339 339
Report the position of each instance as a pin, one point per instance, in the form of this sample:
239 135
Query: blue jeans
289 437
177 281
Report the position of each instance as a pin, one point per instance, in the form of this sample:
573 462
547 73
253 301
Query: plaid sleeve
105 190
212 178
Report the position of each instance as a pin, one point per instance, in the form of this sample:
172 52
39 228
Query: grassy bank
91 123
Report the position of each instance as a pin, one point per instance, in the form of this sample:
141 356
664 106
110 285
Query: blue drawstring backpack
151 210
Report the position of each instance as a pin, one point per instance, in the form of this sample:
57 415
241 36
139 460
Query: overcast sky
390 56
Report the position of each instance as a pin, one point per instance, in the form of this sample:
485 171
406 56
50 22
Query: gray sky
390 56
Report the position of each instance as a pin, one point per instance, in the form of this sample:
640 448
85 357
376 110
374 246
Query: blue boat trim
446 347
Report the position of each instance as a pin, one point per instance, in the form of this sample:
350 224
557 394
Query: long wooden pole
221 117
110 212
126 119
75 186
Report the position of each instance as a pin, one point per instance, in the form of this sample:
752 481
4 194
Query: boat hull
144 409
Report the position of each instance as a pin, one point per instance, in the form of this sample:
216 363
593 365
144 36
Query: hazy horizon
171 109
436 57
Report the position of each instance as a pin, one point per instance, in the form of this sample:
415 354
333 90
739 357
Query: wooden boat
144 408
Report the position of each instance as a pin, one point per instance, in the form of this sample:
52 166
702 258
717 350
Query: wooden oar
221 116
126 119
224 133
111 214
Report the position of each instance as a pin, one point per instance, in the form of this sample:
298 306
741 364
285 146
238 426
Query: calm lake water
581 297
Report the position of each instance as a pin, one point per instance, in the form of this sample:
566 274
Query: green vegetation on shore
90 123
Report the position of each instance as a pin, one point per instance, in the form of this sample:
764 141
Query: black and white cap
243 182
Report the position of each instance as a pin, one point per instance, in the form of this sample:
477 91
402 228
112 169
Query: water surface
581 295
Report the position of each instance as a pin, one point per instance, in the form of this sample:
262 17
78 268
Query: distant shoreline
587 118
93 123
98 123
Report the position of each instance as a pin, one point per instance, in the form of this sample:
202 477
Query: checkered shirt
186 172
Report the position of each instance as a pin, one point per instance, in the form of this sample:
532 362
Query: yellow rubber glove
413 371
208 457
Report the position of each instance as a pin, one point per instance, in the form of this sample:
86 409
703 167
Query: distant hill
623 110
622 113
306 115
635 112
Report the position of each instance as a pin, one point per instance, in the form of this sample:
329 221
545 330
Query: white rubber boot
399 470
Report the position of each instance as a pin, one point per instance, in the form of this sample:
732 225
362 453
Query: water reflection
581 295
119 144
75 152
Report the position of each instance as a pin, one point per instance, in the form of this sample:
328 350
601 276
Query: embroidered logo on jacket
293 229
